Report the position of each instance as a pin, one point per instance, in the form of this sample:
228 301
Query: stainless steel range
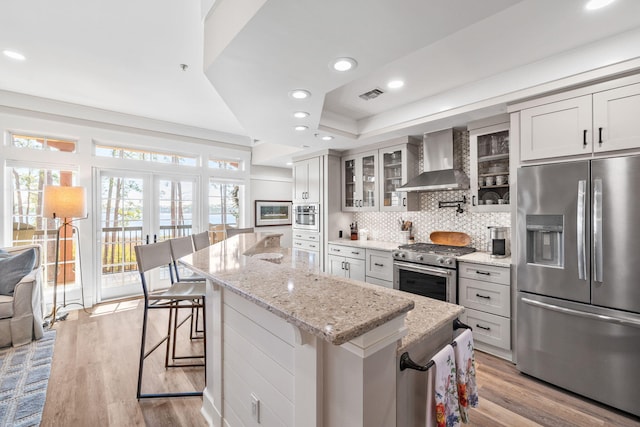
428 269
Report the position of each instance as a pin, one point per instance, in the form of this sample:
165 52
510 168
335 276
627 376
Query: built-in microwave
306 217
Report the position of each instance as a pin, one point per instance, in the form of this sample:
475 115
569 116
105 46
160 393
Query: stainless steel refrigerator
578 278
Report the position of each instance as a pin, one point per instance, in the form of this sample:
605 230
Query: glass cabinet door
392 178
368 181
350 192
490 168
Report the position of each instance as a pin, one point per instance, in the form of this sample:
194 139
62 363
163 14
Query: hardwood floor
95 365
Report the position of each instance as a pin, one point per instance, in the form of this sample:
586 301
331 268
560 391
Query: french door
135 209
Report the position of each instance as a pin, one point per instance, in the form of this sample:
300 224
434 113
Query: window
144 155
29 226
42 143
225 206
232 165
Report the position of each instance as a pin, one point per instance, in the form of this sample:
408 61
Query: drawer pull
355 253
483 296
377 264
312 246
298 244
484 273
486 328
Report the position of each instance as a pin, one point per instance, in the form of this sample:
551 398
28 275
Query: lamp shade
64 202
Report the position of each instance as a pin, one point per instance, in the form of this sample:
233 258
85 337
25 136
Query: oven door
425 280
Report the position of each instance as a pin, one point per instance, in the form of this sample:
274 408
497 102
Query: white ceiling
469 56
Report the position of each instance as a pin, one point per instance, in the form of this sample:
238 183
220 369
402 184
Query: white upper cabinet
489 154
370 180
557 129
602 121
360 178
306 181
397 165
615 119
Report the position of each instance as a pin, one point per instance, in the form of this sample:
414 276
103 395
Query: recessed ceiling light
301 127
300 114
14 55
344 64
327 138
300 94
597 4
395 84
289 163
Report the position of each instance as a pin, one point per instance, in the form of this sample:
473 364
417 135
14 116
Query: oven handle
419 268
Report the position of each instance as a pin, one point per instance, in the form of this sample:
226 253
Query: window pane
225 206
29 226
224 164
148 156
43 143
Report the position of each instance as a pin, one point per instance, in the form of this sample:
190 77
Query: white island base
264 370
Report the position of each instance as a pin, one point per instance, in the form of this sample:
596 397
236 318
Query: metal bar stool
180 295
182 246
201 240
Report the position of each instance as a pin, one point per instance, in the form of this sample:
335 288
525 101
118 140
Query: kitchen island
287 345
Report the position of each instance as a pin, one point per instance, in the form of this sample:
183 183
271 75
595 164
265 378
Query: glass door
124 223
349 180
139 209
369 188
392 178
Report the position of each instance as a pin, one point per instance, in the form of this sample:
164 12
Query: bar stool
180 295
201 240
183 246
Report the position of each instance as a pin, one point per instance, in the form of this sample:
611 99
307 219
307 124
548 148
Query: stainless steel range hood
442 170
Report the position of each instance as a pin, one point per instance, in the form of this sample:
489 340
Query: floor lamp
66 203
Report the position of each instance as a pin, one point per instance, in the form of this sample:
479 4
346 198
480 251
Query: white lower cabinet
307 240
346 261
379 268
485 292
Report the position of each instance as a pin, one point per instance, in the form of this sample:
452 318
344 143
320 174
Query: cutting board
450 238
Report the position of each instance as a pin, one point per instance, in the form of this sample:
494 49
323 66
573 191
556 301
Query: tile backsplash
385 225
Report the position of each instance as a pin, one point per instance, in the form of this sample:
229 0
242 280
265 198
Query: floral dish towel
442 394
466 374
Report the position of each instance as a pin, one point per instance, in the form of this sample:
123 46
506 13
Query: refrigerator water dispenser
545 240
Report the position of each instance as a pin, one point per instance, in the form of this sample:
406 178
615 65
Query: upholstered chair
21 313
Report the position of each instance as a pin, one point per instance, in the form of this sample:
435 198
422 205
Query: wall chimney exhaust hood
442 171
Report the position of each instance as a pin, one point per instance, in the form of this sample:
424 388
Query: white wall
269 183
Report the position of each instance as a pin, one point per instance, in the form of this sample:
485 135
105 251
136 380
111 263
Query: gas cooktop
432 248
431 254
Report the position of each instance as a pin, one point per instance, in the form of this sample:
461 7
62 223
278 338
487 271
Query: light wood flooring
95 365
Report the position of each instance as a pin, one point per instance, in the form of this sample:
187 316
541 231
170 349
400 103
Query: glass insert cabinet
360 176
371 179
490 180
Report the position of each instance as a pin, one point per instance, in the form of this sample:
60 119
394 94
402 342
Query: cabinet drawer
306 235
485 296
347 251
306 245
379 282
486 273
488 328
379 265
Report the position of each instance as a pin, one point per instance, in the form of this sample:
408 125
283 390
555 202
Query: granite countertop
367 244
326 306
332 308
485 259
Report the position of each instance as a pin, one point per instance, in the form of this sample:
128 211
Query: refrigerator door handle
602 317
597 230
581 226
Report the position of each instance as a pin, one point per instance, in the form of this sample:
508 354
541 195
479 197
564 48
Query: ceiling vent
374 93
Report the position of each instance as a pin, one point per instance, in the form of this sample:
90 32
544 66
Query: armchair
21 314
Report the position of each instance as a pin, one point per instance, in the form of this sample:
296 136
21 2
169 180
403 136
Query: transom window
145 155
234 165
43 143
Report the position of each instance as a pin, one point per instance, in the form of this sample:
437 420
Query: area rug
24 375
